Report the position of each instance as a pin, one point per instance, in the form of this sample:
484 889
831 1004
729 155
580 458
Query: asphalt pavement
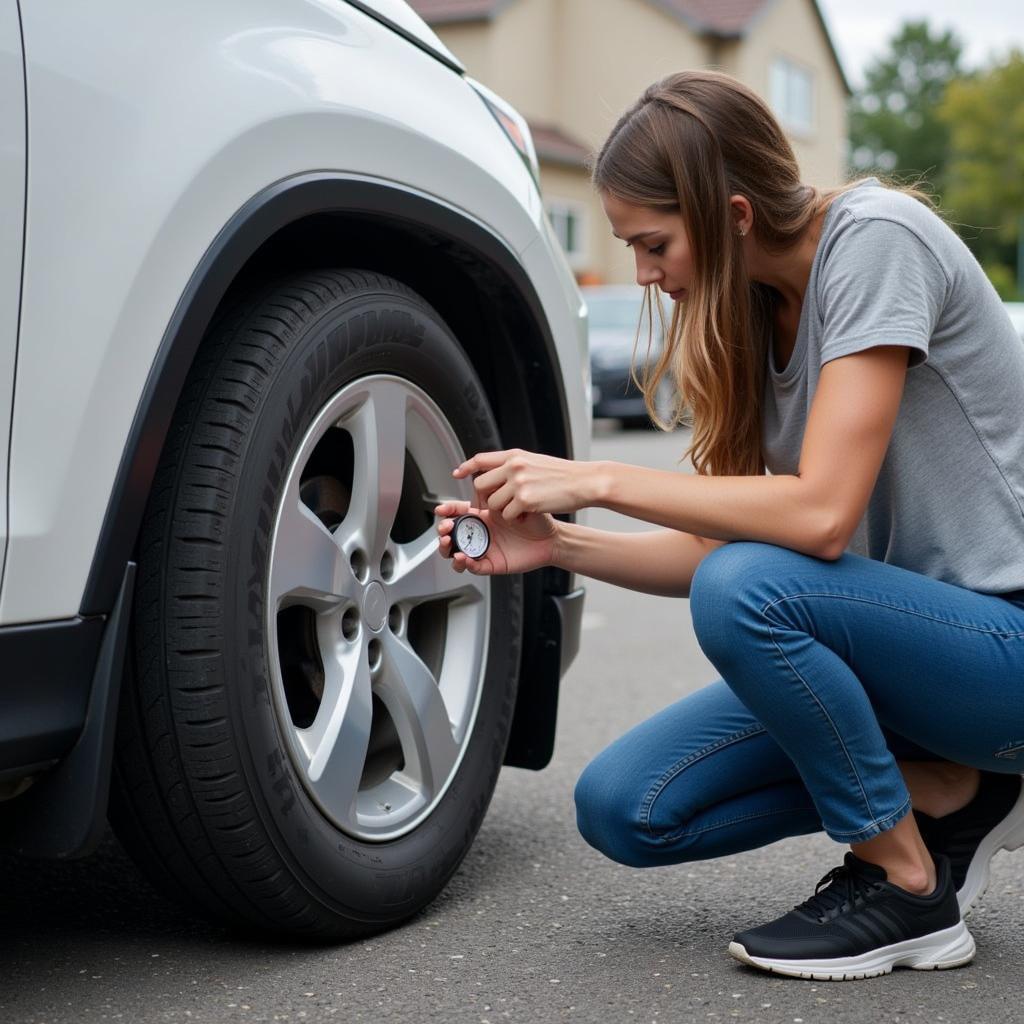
535 927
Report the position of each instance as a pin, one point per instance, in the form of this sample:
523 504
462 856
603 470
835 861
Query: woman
864 603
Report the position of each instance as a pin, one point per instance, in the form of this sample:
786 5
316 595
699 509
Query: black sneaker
970 837
858 925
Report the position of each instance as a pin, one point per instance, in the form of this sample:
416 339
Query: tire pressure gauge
470 536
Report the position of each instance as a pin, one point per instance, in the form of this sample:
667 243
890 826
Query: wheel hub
375 607
376 719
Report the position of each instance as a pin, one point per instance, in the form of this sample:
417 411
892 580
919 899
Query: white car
268 271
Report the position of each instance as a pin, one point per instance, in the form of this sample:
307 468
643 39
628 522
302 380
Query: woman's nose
647 275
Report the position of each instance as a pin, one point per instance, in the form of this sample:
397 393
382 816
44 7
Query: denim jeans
831 672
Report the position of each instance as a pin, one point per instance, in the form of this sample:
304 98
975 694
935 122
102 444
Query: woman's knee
729 587
608 816
636 797
722 583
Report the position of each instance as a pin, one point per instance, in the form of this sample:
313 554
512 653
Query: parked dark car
614 315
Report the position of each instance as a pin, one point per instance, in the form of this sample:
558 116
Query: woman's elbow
833 539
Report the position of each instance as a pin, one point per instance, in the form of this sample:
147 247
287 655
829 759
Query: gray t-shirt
949 500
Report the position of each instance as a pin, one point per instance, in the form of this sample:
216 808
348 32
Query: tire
281 759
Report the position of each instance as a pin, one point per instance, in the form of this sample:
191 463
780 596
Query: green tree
985 180
894 125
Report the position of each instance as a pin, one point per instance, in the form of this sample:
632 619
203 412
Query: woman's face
659 243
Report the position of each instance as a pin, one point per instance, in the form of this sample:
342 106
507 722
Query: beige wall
471 43
611 51
605 256
516 54
559 63
524 55
790 28
572 185
578 64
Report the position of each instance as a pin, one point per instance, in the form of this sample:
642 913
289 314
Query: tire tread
181 802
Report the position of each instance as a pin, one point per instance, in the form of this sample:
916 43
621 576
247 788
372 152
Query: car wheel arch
362 222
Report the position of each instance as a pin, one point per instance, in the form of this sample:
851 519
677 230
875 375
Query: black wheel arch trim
371 12
281 204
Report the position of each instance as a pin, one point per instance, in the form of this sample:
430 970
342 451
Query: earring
743 232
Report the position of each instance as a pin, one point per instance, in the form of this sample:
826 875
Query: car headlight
513 124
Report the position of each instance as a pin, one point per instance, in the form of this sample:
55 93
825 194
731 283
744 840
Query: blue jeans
831 671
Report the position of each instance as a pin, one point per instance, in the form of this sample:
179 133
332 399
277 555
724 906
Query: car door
12 231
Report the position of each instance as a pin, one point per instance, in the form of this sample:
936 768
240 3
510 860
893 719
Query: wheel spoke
384 741
308 567
412 697
378 438
340 735
421 574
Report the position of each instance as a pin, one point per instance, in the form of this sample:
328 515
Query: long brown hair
690 142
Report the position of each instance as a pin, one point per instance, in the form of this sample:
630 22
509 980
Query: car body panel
135 170
401 15
548 268
12 227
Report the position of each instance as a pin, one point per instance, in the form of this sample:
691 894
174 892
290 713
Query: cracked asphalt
535 926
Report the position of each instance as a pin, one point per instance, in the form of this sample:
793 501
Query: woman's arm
814 511
658 562
817 510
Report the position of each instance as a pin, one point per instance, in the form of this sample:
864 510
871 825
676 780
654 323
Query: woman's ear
742 214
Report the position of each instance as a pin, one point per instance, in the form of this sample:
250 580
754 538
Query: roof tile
434 12
720 16
558 146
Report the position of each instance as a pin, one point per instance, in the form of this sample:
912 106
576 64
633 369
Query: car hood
401 15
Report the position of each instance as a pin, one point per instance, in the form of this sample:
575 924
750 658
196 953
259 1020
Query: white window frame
558 210
785 76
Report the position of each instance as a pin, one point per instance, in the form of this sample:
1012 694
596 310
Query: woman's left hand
514 482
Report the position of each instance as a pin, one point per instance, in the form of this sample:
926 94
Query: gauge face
472 536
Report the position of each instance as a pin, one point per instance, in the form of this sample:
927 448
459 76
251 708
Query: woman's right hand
526 543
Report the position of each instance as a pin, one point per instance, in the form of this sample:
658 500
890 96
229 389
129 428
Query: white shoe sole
1007 835
951 947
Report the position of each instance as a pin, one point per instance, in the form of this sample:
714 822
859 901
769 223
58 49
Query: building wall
571 185
579 64
790 29
515 54
470 41
524 57
611 50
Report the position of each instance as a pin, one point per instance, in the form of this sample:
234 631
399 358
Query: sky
860 29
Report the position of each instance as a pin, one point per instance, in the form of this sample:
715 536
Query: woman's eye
657 250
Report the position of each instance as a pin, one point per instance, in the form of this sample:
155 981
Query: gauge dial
471 536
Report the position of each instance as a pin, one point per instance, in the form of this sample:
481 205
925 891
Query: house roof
724 19
727 16
556 146
715 17
437 12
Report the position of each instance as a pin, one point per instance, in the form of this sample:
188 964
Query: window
569 221
792 95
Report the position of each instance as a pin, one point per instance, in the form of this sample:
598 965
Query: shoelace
840 889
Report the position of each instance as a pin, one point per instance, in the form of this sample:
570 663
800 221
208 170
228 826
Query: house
571 67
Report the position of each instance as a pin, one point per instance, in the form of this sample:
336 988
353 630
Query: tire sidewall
377 330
